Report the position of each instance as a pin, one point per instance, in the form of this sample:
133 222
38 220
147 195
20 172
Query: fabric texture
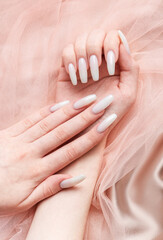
127 202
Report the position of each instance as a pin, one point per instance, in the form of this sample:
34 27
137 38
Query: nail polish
124 41
72 181
85 101
106 123
111 62
59 105
83 70
93 61
72 74
103 104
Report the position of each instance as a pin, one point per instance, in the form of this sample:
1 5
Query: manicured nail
111 62
85 101
124 41
72 181
72 74
83 70
106 123
94 67
104 103
59 105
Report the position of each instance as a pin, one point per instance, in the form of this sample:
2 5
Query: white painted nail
72 74
93 61
83 70
124 41
72 181
111 62
59 105
106 123
103 104
85 101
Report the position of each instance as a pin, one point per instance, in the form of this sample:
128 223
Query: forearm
64 215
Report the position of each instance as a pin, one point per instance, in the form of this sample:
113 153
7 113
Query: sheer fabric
127 202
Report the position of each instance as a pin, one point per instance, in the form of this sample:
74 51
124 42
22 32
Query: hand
32 151
118 71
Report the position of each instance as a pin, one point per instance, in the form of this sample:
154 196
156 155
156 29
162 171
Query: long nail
72 181
111 62
94 67
103 104
72 74
59 105
83 70
85 101
106 123
124 41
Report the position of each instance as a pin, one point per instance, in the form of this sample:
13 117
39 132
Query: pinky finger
69 60
50 186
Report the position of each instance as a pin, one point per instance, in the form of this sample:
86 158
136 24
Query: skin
123 86
29 153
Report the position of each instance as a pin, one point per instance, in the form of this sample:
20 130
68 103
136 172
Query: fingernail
124 41
83 70
94 67
59 105
72 74
111 62
85 101
106 123
104 103
72 181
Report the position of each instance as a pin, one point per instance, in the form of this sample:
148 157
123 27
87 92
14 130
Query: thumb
129 71
50 187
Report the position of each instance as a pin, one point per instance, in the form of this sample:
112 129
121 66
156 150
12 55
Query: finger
81 56
111 50
66 131
28 122
69 60
49 187
73 150
129 71
94 51
58 117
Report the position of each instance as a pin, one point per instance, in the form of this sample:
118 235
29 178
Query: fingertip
69 57
72 74
72 181
124 41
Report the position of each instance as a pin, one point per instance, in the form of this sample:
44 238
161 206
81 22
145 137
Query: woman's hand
118 73
32 151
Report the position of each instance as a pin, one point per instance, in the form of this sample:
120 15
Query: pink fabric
128 194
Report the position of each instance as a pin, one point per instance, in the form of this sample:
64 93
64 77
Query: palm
105 86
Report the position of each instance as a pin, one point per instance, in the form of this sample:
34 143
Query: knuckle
44 126
70 153
85 118
47 190
60 134
42 113
28 123
92 138
66 112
